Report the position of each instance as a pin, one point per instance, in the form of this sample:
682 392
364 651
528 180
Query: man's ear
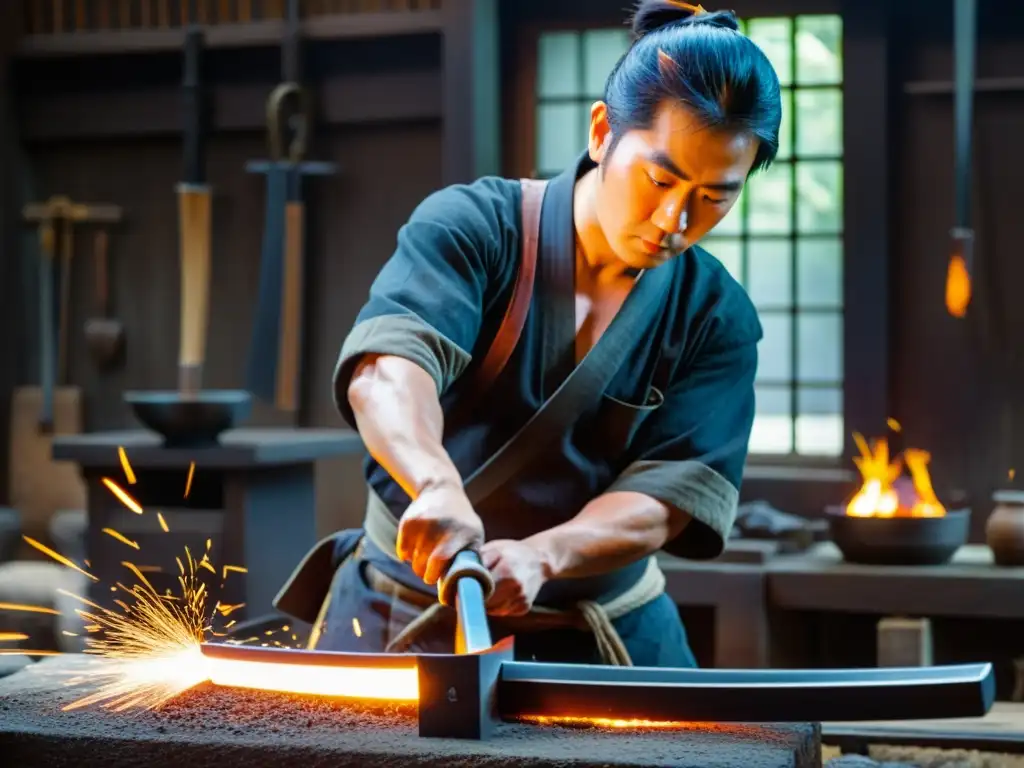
599 138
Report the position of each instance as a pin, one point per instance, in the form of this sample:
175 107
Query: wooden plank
1001 730
344 100
970 585
253 34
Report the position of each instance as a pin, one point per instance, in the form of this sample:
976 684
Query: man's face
679 176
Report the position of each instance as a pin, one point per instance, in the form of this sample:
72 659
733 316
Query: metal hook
295 122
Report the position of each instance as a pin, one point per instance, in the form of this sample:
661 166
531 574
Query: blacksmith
445 366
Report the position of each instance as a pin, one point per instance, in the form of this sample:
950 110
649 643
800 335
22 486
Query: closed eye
716 200
657 183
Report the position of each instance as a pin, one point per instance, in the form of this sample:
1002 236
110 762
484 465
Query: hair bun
656 14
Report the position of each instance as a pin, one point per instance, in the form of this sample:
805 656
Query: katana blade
532 689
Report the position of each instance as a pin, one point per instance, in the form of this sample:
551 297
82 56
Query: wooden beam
344 100
250 35
867 137
471 91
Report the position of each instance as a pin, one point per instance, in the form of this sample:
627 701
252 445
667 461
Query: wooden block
39 486
904 642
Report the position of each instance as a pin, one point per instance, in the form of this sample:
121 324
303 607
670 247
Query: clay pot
1004 530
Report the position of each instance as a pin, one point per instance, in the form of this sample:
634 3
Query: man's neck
593 254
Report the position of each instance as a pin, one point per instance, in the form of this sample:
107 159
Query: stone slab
250 729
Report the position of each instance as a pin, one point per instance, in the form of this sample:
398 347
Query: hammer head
105 340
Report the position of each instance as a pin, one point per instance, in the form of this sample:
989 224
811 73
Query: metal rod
308 658
676 695
473 634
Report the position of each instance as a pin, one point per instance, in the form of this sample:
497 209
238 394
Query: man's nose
672 215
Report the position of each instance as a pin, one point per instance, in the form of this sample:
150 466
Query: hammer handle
100 247
194 204
67 248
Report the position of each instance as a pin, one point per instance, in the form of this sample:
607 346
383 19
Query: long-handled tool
191 416
104 335
56 219
961 269
275 352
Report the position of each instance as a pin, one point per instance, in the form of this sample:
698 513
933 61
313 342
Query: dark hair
714 69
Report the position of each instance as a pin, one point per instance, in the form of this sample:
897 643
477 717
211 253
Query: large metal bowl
191 421
899 540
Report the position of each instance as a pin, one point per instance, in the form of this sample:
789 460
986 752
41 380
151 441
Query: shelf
248 35
981 85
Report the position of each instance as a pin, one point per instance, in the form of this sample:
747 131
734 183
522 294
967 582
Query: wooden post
471 107
904 642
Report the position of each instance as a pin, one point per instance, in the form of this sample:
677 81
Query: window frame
867 91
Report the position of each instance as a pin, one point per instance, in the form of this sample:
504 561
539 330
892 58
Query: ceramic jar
1004 531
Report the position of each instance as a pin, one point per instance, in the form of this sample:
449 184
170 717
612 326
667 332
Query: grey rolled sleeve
691 487
405 336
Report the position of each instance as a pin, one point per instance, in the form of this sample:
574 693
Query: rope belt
588 615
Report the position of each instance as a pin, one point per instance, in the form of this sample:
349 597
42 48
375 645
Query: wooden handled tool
104 336
292 288
194 217
67 245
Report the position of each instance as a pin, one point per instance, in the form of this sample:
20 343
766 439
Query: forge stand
253 496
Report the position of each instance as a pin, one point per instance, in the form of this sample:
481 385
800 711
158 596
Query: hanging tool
104 335
962 268
191 416
195 223
58 213
275 352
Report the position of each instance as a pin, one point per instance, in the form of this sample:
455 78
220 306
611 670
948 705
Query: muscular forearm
612 531
399 418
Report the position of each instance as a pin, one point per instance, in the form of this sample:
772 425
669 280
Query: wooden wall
947 375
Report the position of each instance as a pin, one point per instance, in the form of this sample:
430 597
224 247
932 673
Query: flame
877 497
958 287
148 650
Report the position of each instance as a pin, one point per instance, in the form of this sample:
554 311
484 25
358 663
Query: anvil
465 694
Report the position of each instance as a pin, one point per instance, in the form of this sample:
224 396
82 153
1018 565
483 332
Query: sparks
129 473
120 537
57 556
163 523
12 637
233 569
123 496
188 480
147 648
18 607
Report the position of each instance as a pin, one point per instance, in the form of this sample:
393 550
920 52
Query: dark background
407 107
